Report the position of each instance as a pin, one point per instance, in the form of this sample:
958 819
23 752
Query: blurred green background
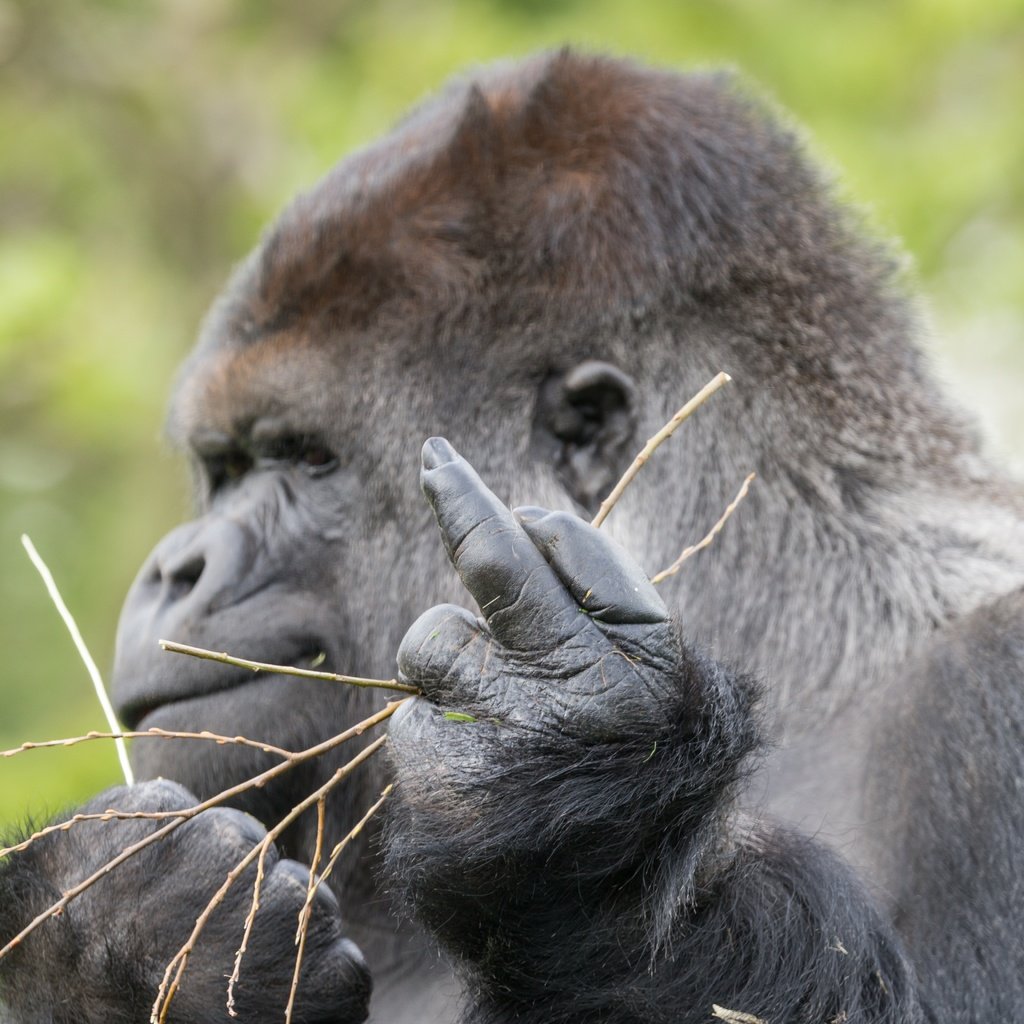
143 144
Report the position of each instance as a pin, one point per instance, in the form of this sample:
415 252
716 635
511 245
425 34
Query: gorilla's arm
102 959
947 771
571 843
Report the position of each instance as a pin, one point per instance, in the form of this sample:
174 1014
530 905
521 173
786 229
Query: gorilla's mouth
182 679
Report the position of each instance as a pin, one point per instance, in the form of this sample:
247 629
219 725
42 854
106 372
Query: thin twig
256 781
112 814
304 915
83 653
336 852
306 911
176 968
250 920
708 537
312 884
662 435
156 734
284 670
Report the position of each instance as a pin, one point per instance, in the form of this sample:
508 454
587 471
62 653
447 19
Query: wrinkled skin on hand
573 638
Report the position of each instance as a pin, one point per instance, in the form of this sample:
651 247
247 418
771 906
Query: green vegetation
144 145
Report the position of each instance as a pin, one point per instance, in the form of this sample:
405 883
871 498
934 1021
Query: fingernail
530 513
437 452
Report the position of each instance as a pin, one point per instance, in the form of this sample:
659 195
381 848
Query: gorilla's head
541 264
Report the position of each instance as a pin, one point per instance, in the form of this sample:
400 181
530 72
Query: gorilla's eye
306 451
317 457
223 468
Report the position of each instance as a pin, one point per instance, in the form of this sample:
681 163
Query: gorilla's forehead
566 178
308 382
226 388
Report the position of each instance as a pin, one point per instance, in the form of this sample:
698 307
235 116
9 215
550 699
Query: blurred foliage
145 143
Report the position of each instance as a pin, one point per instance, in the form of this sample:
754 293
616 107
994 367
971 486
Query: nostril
183 576
203 561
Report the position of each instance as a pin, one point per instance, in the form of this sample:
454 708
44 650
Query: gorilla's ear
586 426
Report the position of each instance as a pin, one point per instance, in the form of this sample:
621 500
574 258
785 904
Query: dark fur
449 279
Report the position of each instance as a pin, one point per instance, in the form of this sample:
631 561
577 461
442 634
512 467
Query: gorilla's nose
198 568
193 588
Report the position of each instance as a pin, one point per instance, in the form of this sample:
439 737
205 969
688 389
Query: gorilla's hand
113 942
570 756
574 636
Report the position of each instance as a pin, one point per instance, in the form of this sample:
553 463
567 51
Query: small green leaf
318 660
458 716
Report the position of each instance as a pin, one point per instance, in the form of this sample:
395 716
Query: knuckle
434 640
227 832
288 884
561 521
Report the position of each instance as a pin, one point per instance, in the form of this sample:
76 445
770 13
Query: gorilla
784 786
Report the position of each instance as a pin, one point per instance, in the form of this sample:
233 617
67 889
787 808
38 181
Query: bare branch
708 537
336 852
304 913
159 734
284 670
180 818
662 435
303 930
113 814
83 653
250 920
176 968
312 884
108 815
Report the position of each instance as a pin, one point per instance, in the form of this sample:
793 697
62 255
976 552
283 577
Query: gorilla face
312 543
313 539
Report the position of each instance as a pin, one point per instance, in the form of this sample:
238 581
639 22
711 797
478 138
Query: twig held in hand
83 653
152 734
185 815
303 930
176 968
285 670
662 435
708 537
